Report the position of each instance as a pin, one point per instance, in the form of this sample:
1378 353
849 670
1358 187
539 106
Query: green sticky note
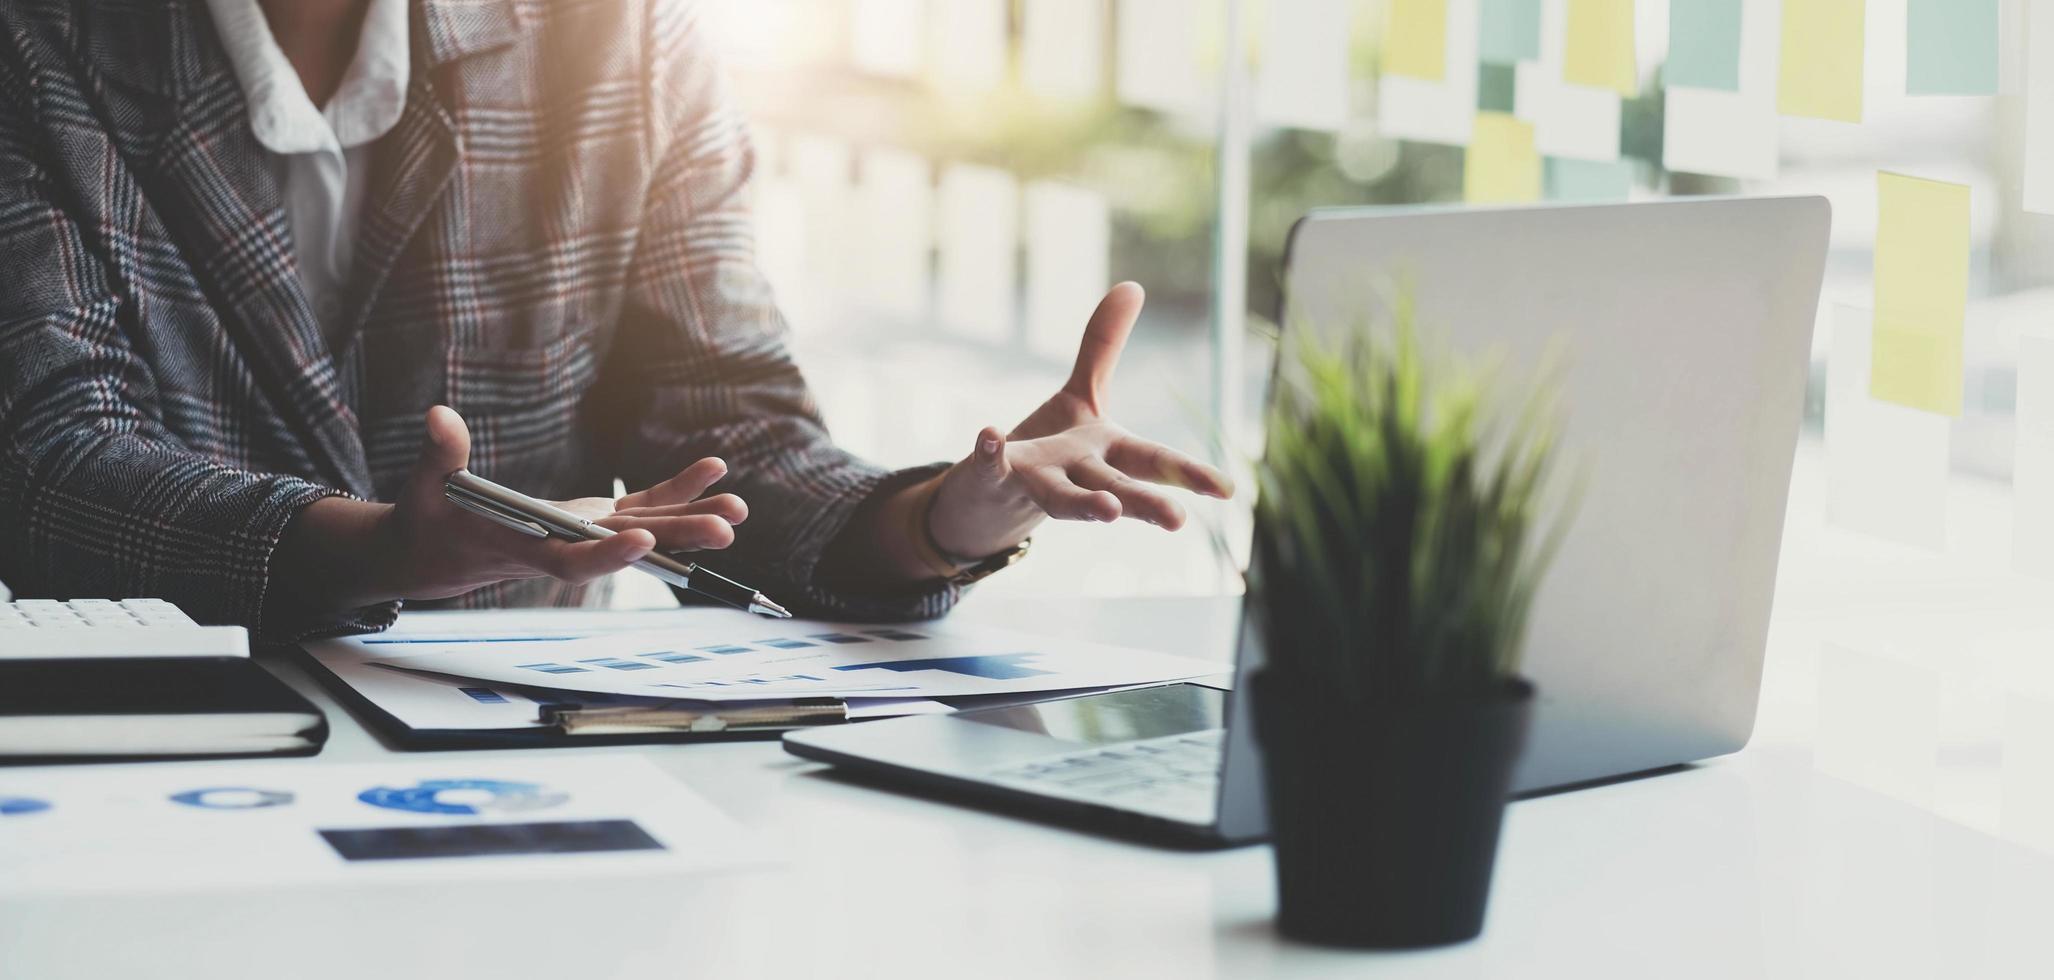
1510 31
1588 180
1496 87
1704 44
1952 47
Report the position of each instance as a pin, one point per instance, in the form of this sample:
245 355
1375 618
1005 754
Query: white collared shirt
322 155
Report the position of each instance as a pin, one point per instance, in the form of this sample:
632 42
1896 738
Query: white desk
1753 865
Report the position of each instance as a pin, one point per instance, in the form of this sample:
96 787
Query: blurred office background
946 186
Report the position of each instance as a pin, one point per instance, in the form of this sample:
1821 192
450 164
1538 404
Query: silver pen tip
762 605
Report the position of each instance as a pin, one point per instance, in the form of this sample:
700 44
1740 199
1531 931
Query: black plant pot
1385 817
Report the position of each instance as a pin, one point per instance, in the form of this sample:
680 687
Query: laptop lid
1682 331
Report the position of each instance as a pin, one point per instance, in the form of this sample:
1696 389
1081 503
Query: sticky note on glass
1598 49
1886 465
1155 58
1416 39
1737 133
1303 81
1588 180
969 43
1502 165
2038 171
977 232
1952 47
1921 292
2032 459
1441 110
1822 59
1704 45
1062 48
1510 31
1069 248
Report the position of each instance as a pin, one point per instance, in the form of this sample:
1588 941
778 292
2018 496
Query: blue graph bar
997 667
615 663
897 634
673 657
786 644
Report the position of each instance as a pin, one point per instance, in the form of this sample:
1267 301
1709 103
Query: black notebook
136 708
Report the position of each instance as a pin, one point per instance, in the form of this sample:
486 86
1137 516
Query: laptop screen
1114 718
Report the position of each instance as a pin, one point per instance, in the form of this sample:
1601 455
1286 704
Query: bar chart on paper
745 658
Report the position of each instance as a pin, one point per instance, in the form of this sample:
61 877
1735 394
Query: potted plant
1401 532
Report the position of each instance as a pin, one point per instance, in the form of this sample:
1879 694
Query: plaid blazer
557 244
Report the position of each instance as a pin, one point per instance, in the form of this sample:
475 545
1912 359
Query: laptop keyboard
1175 775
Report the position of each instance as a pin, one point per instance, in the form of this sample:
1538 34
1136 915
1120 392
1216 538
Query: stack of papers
491 671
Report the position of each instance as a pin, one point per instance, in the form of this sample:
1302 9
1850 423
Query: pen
703 718
541 519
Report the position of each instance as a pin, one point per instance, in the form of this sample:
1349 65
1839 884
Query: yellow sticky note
1921 292
1598 50
1502 165
1416 39
1820 75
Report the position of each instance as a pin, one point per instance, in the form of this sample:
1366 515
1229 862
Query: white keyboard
37 629
1175 775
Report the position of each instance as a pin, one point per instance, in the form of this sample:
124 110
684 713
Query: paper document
430 702
170 826
733 656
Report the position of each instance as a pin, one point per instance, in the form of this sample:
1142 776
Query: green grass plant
1407 514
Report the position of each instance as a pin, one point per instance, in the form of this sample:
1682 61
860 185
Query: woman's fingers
1060 498
726 506
1157 463
686 532
1105 336
1137 499
579 562
683 488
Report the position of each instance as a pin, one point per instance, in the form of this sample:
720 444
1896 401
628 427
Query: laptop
1683 336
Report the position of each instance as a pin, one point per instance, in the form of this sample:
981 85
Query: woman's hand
1067 460
342 554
